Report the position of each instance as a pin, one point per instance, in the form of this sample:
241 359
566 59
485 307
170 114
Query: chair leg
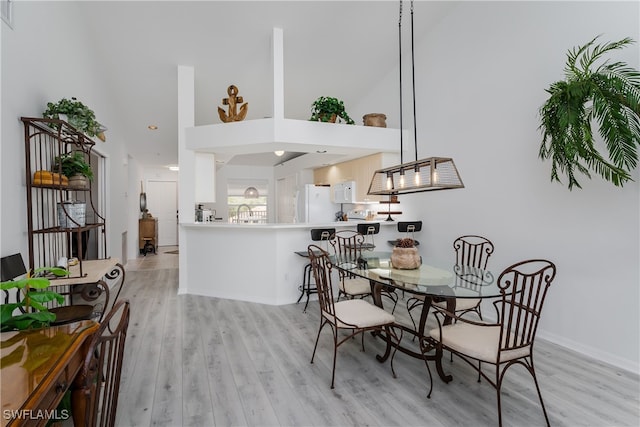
335 355
308 277
412 303
391 333
423 349
535 380
322 323
307 268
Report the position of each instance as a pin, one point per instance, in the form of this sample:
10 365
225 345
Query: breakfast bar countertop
302 225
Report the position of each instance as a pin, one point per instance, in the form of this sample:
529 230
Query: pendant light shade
251 193
430 174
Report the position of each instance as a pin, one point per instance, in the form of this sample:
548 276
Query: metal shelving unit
55 228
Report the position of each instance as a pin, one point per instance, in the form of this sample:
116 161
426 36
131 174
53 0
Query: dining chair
98 382
472 254
347 248
508 341
356 316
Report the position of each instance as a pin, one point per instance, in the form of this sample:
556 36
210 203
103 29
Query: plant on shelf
606 94
31 311
74 167
73 163
327 109
79 116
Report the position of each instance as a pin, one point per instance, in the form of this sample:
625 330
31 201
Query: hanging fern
607 94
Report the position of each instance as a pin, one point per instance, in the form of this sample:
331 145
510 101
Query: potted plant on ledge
78 115
330 110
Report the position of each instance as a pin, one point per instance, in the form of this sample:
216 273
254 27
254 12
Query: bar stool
368 229
408 227
307 287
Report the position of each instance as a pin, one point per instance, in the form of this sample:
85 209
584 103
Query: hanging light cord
413 77
400 62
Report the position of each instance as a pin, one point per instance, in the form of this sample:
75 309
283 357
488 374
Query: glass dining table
432 283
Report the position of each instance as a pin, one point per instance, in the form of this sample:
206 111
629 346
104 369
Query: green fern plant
594 92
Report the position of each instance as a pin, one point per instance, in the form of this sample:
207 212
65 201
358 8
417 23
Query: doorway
162 202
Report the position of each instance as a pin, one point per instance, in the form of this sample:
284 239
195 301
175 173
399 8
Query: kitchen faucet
238 211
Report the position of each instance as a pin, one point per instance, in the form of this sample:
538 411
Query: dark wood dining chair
97 386
508 341
356 316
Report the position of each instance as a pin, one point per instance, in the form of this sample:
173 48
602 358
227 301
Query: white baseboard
596 353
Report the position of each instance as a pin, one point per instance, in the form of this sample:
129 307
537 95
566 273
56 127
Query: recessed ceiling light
152 127
174 168
279 153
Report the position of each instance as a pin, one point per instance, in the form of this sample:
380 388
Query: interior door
162 202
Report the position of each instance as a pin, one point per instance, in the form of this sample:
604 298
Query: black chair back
319 234
11 267
368 228
409 226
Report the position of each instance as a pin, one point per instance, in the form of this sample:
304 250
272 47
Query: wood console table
36 369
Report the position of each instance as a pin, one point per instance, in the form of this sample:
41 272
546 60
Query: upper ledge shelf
262 135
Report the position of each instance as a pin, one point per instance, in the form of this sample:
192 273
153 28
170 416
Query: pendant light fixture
251 193
429 174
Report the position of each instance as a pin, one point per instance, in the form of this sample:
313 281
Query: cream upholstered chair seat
478 342
358 314
355 286
462 304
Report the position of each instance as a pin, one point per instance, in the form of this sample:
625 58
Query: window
247 210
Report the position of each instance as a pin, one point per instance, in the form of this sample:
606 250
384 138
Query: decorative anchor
232 101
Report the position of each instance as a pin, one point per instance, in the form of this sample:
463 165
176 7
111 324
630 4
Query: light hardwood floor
199 361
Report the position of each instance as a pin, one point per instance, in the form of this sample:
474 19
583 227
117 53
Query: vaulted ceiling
331 48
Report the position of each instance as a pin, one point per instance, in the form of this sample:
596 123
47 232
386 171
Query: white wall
36 70
481 78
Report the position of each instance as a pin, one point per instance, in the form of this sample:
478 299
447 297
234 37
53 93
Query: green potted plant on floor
327 109
78 115
31 311
608 95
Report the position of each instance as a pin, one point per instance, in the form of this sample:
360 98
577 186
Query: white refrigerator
314 205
